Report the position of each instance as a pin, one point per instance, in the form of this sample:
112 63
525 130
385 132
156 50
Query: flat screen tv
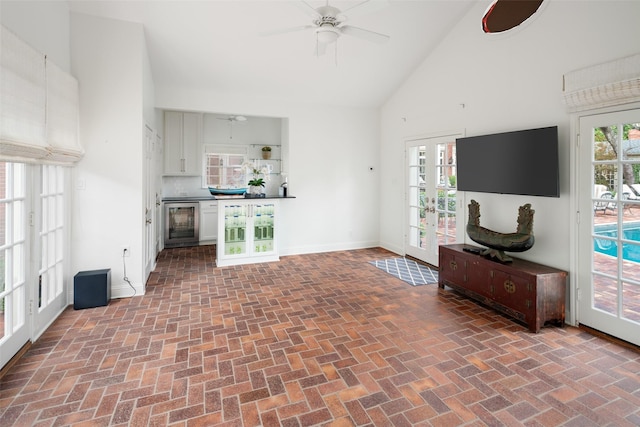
522 162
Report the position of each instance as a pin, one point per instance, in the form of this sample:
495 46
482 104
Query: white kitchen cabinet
248 232
183 136
208 222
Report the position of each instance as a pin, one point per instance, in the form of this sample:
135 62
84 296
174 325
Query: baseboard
6 368
608 337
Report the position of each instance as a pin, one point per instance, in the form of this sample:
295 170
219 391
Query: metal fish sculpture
497 243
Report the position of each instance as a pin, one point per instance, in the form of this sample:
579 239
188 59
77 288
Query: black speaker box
91 289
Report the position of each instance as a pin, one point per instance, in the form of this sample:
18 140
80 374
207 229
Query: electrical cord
125 278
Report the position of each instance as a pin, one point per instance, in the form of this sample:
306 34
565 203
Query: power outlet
126 251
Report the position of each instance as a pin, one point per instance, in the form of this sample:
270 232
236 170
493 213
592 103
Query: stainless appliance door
182 225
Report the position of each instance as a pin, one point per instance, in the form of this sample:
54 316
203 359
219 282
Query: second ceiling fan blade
372 36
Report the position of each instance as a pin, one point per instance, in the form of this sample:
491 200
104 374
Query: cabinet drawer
452 268
479 278
209 206
515 292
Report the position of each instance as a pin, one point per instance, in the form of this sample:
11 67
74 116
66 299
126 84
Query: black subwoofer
91 289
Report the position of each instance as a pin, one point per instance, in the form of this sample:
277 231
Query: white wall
42 24
108 211
506 82
330 152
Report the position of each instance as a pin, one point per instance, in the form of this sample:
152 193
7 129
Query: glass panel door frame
50 295
433 206
15 293
605 284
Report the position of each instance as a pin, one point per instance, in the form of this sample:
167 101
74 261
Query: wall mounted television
523 162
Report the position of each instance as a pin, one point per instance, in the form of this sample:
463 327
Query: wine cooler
181 224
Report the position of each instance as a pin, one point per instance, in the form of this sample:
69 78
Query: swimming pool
630 231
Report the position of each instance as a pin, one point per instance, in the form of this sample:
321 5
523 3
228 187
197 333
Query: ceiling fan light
326 35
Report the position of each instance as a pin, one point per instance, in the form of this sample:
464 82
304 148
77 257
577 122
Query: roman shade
22 100
62 116
611 83
38 106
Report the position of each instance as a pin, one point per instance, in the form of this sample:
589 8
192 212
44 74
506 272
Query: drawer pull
509 286
453 265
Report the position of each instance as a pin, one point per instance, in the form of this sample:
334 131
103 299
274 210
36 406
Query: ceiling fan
231 120
328 23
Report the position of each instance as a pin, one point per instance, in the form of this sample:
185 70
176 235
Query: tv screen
523 162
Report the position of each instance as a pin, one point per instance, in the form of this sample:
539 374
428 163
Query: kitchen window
222 166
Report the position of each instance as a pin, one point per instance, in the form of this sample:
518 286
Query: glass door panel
431 197
235 229
609 265
263 226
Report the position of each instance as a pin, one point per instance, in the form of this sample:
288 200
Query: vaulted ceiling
220 46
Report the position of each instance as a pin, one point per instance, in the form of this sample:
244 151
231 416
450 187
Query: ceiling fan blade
371 36
308 9
286 30
367 6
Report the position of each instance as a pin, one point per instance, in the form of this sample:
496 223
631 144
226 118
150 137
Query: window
222 166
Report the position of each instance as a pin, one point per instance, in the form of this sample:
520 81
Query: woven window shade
603 85
62 116
22 100
39 106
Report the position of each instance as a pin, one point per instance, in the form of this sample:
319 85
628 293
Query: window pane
3 223
18 221
223 170
19 186
17 254
3 181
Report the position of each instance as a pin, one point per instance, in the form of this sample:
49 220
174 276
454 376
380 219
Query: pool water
630 231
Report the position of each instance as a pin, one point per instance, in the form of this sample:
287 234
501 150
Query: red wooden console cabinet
531 293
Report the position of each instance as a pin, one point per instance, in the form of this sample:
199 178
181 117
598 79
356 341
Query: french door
49 297
431 205
14 327
33 248
609 228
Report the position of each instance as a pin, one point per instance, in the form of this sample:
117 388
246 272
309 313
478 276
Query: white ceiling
216 45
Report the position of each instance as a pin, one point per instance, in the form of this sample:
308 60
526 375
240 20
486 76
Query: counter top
212 198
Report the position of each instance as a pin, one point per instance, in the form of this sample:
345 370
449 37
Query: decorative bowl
228 191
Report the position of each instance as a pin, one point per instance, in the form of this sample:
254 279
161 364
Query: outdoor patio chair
603 205
628 196
630 192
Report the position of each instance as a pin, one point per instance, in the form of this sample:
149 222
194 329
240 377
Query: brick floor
320 339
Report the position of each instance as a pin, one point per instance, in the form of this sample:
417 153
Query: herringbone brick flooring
321 339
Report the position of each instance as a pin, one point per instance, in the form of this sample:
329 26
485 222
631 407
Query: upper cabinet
183 137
